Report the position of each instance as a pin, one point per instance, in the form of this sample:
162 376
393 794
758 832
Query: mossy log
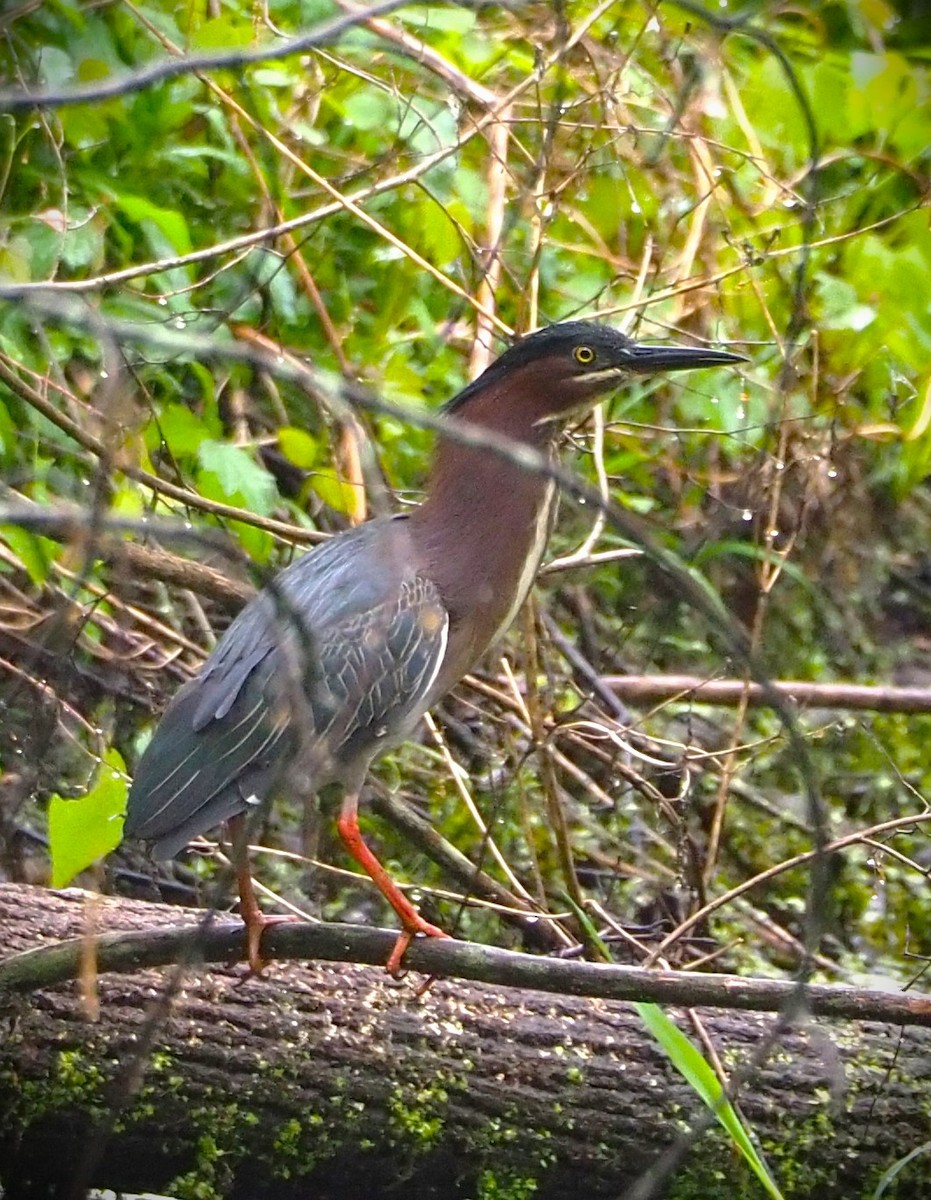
328 1080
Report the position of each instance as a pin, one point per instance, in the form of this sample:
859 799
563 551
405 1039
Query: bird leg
253 918
411 921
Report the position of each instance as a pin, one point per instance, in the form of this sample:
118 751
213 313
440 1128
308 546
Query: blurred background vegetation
390 206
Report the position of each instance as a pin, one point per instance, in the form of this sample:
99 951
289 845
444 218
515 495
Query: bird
339 657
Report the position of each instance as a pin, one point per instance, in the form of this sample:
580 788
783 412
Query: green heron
339 658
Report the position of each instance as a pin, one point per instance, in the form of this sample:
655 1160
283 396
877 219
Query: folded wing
330 664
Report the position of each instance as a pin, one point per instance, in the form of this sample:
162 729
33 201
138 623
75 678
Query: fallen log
326 1079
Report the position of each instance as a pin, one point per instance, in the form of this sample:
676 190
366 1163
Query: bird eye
584 355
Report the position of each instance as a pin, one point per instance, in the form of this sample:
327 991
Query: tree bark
328 1080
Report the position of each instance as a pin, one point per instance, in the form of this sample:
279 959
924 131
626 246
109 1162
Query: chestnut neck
482 527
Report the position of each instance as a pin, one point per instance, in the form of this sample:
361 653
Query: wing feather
316 672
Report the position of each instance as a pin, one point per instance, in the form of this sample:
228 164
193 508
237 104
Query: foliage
752 175
695 1068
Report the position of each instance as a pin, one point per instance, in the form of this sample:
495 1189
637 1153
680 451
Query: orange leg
411 921
253 918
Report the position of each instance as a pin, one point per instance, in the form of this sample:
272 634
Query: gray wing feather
317 670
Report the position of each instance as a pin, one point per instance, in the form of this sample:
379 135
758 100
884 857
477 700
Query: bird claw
256 924
405 937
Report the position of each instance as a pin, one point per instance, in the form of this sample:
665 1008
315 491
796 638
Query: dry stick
147 562
770 568
775 933
93 445
459 780
587 679
537 926
584 553
48 692
498 141
769 572
352 434
787 864
154 628
48 966
705 182
533 714
64 523
516 714
726 693
122 85
424 55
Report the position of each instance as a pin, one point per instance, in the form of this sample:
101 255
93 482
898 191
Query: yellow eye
584 355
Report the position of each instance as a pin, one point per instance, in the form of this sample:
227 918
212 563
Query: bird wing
327 666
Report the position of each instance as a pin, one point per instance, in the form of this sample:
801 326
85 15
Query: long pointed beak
650 360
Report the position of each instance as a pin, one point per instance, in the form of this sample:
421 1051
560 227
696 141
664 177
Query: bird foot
405 937
256 923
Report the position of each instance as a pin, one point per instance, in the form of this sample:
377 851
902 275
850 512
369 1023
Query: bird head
563 369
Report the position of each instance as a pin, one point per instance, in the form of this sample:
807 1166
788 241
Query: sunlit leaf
444 20
239 475
298 446
222 33
182 431
84 830
334 491
170 222
34 552
698 1073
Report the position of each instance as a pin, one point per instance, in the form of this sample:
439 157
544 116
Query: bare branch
727 693
130 952
124 85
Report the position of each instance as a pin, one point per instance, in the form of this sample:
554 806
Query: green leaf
82 831
56 67
16 260
182 430
444 20
828 87
371 110
127 502
840 306
44 246
890 1176
8 433
428 128
82 242
170 223
92 69
885 89
333 491
697 1072
222 33
774 112
298 446
240 478
34 552
272 77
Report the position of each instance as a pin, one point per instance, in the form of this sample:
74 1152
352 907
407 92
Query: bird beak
651 360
